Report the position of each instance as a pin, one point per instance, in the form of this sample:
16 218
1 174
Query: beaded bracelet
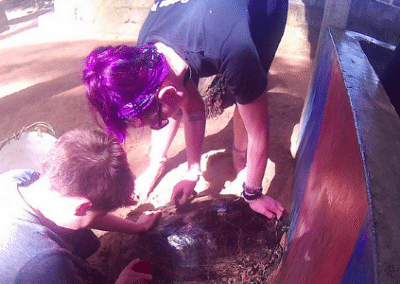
251 194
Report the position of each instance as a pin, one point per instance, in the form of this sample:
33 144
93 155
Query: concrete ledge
115 18
122 18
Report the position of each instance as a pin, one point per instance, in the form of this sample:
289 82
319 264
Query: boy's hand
147 220
136 272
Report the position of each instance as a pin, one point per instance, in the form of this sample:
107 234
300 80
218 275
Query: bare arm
256 121
113 223
193 108
194 123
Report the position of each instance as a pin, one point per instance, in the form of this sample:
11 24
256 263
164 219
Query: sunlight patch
15 87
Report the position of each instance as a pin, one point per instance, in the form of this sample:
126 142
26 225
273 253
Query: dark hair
121 82
93 165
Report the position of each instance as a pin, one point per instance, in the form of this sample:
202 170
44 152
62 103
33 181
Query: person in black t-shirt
155 84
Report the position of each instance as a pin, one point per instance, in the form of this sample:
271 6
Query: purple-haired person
155 84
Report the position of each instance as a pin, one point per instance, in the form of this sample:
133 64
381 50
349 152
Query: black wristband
251 197
251 194
250 189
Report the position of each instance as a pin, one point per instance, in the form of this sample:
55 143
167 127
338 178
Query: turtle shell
213 240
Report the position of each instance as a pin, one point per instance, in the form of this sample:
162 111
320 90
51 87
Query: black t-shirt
213 37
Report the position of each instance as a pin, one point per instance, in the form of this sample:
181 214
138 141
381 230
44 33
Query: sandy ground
40 81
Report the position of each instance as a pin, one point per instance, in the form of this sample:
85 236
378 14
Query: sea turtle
212 240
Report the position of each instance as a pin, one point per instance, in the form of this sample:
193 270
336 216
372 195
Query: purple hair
121 82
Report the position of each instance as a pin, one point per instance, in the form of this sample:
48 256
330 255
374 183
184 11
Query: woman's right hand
146 182
183 191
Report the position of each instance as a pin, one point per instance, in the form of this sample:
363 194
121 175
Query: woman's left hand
268 207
